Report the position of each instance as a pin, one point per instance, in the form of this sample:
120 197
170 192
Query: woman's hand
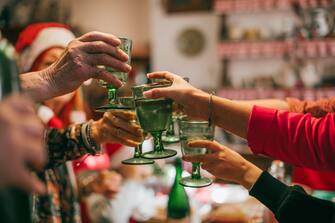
225 163
77 64
117 127
194 101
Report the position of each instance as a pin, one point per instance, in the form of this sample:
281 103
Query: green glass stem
158 144
196 171
138 151
112 95
170 131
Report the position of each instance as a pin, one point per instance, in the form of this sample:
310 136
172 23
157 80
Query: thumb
158 93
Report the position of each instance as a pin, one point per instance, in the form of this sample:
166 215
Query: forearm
268 103
66 144
38 85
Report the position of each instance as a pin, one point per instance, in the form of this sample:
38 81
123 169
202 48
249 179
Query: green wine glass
154 116
194 130
170 136
137 159
113 100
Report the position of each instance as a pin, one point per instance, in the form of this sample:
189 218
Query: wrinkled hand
194 101
107 183
225 163
117 127
80 59
21 137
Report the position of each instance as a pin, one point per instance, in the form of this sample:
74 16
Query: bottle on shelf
178 207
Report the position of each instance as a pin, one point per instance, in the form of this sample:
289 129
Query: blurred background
241 49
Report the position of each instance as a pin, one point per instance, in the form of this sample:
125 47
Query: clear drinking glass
113 101
137 159
194 130
154 116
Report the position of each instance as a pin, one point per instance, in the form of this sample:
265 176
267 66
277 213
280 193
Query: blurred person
134 202
40 45
290 204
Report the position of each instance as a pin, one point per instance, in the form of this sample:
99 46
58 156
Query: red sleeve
299 139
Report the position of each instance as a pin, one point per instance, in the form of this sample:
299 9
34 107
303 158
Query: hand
225 163
117 127
77 64
107 183
194 101
21 134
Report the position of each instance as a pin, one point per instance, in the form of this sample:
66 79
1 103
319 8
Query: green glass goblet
137 159
154 116
194 130
113 101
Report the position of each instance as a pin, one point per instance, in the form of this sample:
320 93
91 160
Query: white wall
204 69
128 18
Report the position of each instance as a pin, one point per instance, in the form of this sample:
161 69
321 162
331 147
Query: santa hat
39 37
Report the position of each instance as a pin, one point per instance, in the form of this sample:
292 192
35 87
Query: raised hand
225 163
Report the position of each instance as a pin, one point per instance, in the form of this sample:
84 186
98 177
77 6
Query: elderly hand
225 163
194 101
117 127
77 64
21 134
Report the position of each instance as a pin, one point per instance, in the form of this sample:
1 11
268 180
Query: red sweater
299 139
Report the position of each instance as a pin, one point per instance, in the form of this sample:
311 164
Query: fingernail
128 67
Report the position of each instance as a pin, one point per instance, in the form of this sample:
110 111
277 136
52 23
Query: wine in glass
194 130
154 116
137 159
113 101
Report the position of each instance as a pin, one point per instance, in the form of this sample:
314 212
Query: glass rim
153 85
185 119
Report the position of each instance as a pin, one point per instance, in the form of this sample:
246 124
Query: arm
289 204
69 143
77 64
298 139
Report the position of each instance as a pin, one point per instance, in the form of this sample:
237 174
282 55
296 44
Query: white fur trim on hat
47 38
45 113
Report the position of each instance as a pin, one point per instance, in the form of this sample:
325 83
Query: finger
127 126
123 141
29 182
102 47
102 74
161 74
125 115
21 105
35 155
211 145
158 93
99 36
197 158
121 134
31 127
107 60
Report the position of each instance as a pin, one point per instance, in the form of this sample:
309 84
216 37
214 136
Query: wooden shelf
247 6
277 49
